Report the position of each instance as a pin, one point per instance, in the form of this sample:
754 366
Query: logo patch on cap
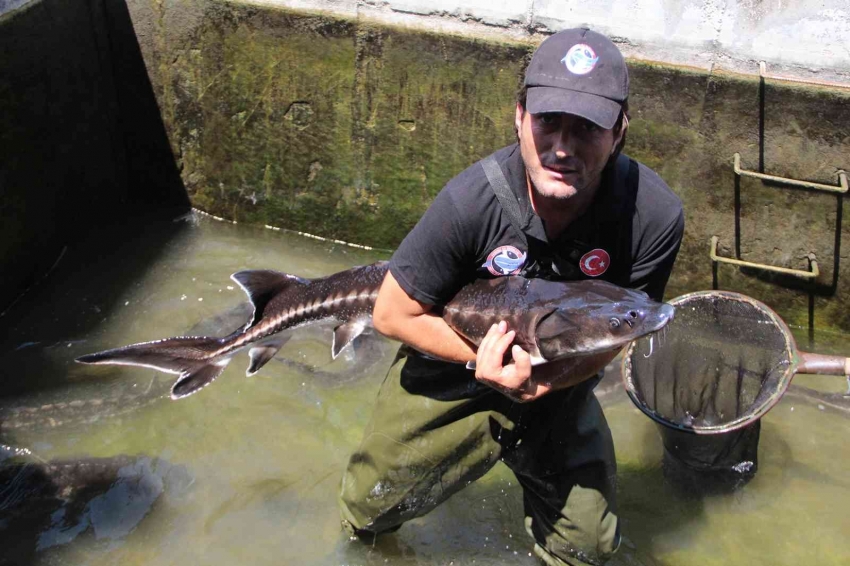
595 262
505 260
580 59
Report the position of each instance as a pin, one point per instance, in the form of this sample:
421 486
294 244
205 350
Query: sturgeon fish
45 504
552 320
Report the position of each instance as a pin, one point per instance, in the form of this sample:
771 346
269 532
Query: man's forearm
399 316
430 334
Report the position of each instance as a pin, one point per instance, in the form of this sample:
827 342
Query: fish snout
642 320
660 317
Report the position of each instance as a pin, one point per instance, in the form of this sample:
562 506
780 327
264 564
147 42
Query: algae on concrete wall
333 127
347 129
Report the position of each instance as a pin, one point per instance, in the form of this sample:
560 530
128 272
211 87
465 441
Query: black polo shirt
465 234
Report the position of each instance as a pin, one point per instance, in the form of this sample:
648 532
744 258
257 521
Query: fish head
600 325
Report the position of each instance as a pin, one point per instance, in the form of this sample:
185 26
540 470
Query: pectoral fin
344 334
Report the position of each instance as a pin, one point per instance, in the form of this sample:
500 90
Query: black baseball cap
581 72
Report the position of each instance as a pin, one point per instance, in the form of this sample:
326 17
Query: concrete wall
797 38
347 128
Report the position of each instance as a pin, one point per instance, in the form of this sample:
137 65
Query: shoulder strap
506 197
633 178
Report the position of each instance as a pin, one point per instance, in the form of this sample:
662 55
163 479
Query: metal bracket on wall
840 188
812 273
784 276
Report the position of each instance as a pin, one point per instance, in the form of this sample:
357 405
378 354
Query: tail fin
188 356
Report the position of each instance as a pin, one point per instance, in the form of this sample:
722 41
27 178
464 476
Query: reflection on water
259 459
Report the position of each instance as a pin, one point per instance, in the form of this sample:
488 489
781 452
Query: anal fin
344 334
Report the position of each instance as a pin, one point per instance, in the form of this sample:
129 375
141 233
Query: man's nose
563 144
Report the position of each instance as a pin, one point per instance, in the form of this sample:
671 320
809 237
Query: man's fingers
485 344
488 349
522 360
501 344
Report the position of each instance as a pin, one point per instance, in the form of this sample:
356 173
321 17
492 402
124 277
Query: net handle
823 364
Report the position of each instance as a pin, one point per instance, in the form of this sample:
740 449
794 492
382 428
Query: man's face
563 154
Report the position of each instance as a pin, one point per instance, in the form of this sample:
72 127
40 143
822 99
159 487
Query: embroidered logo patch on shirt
505 260
580 59
595 262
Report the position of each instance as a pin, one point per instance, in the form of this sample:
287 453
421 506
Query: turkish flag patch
595 262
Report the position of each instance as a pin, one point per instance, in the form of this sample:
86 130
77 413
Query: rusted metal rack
840 189
807 278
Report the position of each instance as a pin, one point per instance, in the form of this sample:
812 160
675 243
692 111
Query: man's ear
520 111
621 134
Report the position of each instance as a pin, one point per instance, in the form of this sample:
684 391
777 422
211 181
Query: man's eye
589 126
547 119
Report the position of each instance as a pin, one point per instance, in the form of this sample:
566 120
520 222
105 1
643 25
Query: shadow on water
652 507
89 189
81 137
79 295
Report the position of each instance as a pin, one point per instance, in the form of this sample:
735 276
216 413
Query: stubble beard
558 191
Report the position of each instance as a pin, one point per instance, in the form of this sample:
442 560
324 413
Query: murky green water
247 471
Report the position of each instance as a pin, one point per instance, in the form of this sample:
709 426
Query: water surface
247 471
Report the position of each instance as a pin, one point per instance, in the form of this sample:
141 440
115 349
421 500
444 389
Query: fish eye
614 322
633 314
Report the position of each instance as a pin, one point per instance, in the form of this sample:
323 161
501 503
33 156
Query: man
562 203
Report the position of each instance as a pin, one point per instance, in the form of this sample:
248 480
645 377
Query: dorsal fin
262 285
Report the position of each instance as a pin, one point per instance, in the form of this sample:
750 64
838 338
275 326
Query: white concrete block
685 22
812 35
805 37
344 8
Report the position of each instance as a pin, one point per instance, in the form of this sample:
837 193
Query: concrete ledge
806 40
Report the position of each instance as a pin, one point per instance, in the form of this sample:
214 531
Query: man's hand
521 382
514 380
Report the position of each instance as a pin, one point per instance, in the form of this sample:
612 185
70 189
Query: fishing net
722 362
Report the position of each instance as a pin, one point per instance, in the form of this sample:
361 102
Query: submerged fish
552 320
45 504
